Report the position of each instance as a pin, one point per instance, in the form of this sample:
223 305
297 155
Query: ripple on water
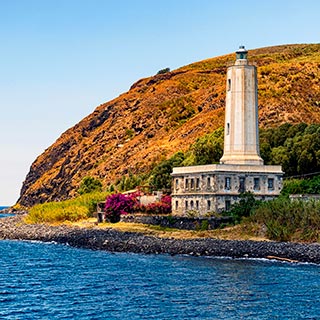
41 281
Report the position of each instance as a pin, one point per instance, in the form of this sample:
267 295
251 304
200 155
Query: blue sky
62 58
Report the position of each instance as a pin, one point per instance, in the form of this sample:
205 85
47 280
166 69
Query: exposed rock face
165 113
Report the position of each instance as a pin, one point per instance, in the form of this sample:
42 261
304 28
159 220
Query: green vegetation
161 174
76 209
295 147
284 219
90 184
162 71
206 150
289 220
244 208
301 186
129 182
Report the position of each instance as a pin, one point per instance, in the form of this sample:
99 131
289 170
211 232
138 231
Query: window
192 183
227 205
197 183
270 184
208 205
177 205
256 184
227 183
191 204
197 204
208 182
186 204
242 186
229 85
187 184
228 128
177 183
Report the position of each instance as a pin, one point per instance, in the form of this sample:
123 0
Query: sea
2 215
54 281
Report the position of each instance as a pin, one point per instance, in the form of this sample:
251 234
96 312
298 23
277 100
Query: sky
59 59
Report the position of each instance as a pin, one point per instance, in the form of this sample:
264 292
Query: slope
165 113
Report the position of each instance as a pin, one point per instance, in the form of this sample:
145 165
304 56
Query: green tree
295 147
207 149
161 174
165 70
89 184
280 155
245 207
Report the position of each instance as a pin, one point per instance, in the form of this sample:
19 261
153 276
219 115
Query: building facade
199 190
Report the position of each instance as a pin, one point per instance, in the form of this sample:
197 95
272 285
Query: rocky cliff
165 113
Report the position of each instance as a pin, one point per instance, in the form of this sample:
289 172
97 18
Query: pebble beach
13 228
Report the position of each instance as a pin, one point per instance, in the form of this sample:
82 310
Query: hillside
165 113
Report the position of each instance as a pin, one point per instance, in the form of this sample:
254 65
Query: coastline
13 228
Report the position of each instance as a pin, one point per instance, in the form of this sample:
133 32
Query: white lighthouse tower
241 135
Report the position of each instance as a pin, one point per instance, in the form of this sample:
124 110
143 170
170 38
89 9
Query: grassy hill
165 113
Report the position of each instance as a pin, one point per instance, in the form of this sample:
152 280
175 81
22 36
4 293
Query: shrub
287 220
90 201
56 212
70 210
161 207
192 213
118 204
244 208
296 186
162 71
204 225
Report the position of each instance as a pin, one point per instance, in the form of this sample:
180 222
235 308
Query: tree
207 149
161 174
165 70
90 184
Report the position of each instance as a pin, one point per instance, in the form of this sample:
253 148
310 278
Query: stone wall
178 222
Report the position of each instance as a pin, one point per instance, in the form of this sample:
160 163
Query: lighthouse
241 135
204 190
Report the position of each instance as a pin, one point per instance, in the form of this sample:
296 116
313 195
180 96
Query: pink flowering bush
161 207
118 204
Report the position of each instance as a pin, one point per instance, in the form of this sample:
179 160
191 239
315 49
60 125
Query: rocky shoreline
13 228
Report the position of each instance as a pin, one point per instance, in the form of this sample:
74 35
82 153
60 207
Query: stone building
215 187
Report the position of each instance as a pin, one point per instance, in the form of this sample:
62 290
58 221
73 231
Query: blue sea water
51 281
3 215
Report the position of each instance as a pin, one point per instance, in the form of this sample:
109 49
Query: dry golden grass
238 232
